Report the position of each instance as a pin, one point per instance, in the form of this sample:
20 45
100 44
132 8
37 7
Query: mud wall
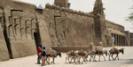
68 28
3 48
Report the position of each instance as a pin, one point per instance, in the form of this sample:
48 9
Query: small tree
130 18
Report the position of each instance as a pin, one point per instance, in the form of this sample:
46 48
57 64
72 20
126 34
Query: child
43 56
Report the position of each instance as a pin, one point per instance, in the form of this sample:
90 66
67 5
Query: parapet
61 3
68 10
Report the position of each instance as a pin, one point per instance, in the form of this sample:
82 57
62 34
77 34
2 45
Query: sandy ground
126 60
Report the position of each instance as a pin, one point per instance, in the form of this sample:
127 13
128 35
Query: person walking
43 56
39 52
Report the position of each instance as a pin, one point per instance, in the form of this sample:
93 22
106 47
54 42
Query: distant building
131 39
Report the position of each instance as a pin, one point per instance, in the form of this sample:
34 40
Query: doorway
7 40
37 39
8 44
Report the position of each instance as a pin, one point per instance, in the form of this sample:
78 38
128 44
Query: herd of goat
82 56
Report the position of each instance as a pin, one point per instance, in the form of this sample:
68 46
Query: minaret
98 8
99 22
62 3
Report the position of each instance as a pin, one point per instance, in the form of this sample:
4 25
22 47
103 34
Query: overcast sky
115 10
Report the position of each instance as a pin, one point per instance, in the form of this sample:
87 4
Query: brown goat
115 51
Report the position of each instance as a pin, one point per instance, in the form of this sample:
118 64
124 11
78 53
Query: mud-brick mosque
23 27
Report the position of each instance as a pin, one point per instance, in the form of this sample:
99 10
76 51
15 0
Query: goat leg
109 58
99 57
117 56
94 58
53 60
104 57
112 57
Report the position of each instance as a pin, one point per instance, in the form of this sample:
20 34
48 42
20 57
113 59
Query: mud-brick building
129 37
117 33
23 27
18 22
